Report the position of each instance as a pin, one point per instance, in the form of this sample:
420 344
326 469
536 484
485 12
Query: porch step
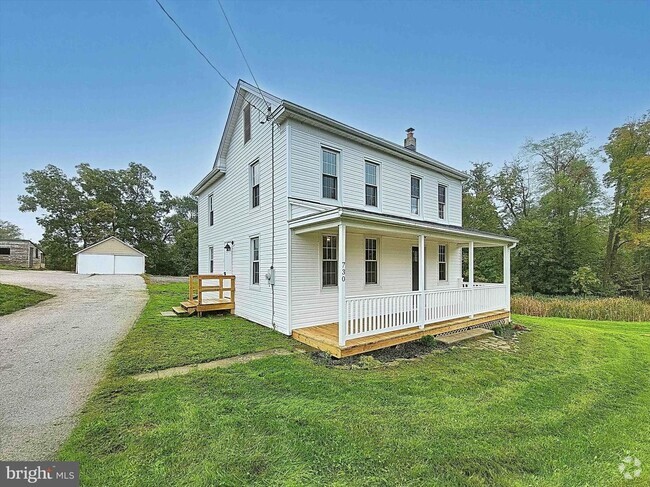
189 304
461 336
179 311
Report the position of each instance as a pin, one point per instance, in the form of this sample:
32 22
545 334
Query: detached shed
110 256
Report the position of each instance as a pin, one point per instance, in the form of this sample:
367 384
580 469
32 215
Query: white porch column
343 316
470 284
421 271
506 274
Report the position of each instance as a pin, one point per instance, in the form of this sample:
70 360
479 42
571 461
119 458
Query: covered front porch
394 281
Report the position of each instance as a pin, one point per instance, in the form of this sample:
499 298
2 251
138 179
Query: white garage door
95 264
129 264
109 264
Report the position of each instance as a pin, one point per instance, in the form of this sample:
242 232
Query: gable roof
21 240
106 240
281 109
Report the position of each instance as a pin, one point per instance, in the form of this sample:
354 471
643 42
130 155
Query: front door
415 269
227 259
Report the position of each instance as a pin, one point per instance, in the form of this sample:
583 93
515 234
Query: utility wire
208 60
232 31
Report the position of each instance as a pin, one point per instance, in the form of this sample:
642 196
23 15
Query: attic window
247 122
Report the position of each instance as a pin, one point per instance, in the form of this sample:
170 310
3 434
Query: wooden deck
198 303
325 337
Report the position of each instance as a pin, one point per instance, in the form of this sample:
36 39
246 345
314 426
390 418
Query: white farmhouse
340 238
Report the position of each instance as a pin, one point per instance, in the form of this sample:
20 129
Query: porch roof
379 221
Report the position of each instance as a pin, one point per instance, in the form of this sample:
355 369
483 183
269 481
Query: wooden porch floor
325 337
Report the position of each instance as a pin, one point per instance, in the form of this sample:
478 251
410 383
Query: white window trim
339 173
444 281
378 284
446 203
420 213
259 260
210 259
330 287
378 185
250 185
211 209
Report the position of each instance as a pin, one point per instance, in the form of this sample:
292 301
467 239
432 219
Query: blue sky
109 82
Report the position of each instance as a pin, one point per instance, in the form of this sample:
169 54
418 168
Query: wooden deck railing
374 314
205 283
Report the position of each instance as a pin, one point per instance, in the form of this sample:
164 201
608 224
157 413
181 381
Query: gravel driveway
52 354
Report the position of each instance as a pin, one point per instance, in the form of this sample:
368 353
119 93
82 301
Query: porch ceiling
388 224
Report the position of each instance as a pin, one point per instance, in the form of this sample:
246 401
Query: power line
232 31
208 60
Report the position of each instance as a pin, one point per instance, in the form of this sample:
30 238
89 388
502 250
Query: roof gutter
210 178
286 108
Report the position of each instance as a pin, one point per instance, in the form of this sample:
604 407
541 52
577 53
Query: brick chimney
409 141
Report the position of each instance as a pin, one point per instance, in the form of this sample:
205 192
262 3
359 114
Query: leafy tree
97 203
584 281
628 155
9 230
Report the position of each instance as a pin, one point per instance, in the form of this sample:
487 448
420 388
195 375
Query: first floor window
415 195
330 174
5 251
371 261
255 184
372 184
255 260
211 260
330 260
442 262
442 201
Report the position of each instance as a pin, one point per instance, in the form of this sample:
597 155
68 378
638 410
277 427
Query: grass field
562 410
13 298
583 308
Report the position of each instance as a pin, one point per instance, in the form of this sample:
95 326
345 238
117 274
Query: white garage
110 256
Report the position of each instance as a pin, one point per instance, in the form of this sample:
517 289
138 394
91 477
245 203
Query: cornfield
602 309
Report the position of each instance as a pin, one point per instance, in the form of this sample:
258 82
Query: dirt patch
385 356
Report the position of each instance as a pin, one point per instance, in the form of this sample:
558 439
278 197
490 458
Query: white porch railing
373 314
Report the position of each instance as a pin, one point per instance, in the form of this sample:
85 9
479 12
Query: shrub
608 309
585 282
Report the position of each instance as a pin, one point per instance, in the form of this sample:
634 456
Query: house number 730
342 271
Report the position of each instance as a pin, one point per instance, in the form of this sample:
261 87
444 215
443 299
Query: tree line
578 233
78 211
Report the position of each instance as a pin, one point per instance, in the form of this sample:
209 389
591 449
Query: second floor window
442 201
255 260
442 262
372 274
330 260
415 195
247 122
372 171
330 161
210 211
255 184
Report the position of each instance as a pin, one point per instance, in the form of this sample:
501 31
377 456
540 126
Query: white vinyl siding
237 223
306 176
313 304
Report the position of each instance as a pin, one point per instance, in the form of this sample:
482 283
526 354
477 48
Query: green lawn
562 410
13 298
